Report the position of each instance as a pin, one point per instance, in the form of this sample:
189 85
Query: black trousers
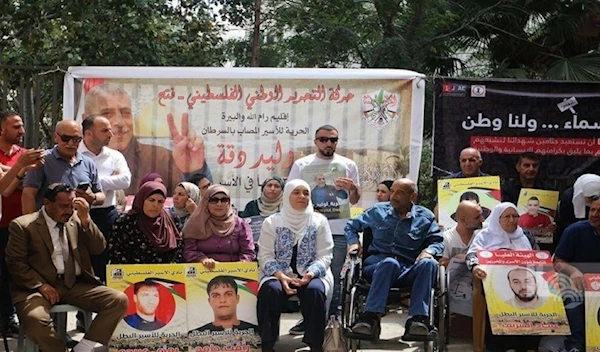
104 218
271 299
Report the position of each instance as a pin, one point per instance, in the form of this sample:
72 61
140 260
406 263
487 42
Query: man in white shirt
343 174
113 174
457 239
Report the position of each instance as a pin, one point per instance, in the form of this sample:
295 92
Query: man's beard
527 298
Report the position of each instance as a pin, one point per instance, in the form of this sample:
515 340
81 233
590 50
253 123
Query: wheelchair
355 288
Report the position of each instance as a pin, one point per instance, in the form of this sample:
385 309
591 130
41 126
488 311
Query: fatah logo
380 108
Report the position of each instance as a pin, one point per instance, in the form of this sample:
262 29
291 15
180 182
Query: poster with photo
592 312
222 316
483 190
156 318
460 287
327 198
522 293
537 209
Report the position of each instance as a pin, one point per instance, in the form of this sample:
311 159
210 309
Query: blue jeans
337 263
385 273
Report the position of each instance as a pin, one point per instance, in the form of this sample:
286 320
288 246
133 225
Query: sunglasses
216 200
62 187
67 139
325 139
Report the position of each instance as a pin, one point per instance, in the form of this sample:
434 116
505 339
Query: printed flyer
592 312
222 316
156 318
537 208
483 190
327 198
522 293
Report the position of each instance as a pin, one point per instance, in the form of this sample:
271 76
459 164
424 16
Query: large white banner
241 125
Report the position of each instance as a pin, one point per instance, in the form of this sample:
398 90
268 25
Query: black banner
558 121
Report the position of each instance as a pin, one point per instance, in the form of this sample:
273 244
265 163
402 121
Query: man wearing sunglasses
344 173
186 158
63 164
48 257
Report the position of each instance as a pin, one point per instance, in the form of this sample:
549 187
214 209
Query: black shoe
297 329
11 328
80 326
418 329
367 324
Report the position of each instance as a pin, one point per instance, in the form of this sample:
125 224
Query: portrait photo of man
536 221
146 298
524 286
223 298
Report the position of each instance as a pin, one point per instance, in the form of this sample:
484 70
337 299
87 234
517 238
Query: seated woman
296 248
383 190
269 201
185 199
502 233
215 234
146 234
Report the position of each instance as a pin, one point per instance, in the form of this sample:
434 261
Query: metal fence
35 92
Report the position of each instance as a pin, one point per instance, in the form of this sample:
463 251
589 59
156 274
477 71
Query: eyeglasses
595 197
216 200
325 139
67 139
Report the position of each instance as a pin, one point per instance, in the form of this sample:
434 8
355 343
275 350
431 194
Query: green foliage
108 32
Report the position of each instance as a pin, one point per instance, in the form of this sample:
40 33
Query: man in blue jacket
405 240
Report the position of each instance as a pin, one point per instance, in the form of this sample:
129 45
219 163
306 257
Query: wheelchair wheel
442 310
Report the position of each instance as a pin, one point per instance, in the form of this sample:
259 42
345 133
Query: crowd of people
63 221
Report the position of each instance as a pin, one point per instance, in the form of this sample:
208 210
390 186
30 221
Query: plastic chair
59 313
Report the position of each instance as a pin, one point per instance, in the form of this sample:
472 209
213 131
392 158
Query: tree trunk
256 35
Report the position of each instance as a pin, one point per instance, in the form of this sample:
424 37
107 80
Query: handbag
334 339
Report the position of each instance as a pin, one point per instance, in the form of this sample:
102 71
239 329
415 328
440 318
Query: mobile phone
83 186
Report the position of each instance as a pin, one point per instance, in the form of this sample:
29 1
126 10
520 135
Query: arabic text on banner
485 190
161 294
253 128
504 118
537 208
522 293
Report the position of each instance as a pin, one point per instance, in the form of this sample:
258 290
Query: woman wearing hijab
296 248
185 199
574 202
383 191
215 234
152 176
269 201
503 233
146 234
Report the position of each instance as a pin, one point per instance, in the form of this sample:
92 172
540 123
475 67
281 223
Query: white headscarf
293 219
495 237
587 185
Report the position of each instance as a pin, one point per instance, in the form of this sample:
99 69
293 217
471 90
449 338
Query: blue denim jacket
404 239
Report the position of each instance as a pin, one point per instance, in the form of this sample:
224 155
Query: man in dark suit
48 259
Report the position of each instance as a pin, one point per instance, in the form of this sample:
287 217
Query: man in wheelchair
406 238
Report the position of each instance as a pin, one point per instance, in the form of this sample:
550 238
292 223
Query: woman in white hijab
295 253
502 233
586 186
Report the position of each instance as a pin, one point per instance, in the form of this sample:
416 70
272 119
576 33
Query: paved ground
392 330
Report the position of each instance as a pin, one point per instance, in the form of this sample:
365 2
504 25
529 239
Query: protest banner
592 312
503 118
484 190
243 125
156 318
537 209
222 316
522 293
